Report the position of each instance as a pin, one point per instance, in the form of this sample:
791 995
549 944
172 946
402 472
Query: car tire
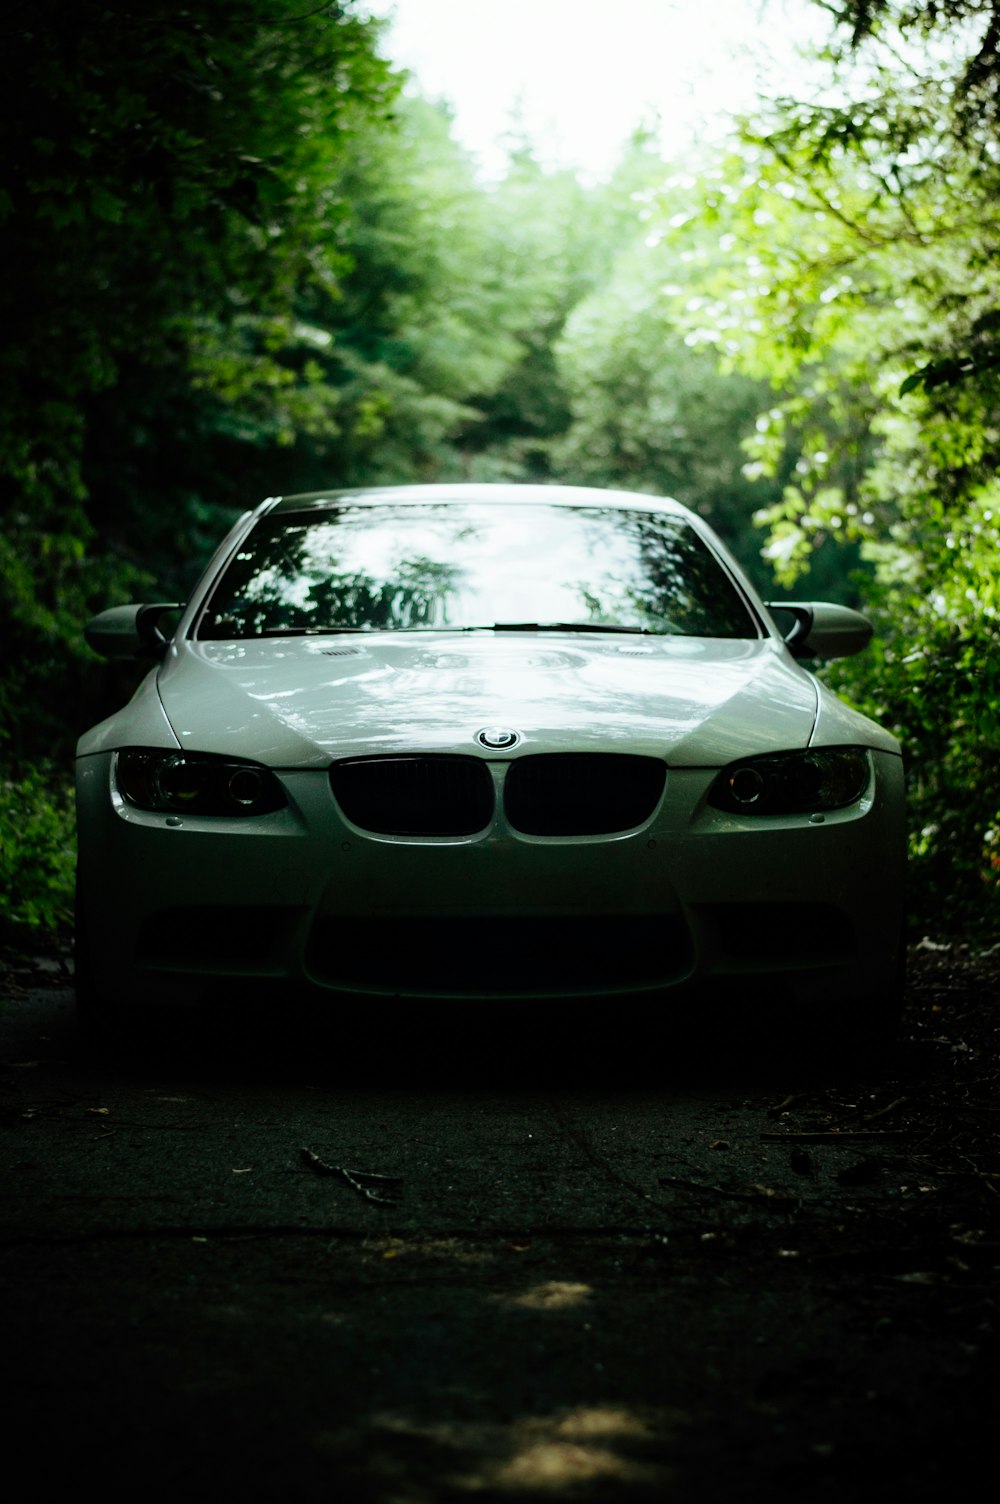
866 1030
855 1033
96 1018
880 1016
872 1029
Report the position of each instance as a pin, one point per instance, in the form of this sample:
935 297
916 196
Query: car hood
301 702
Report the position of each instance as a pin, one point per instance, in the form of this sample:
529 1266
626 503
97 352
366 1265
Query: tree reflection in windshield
393 567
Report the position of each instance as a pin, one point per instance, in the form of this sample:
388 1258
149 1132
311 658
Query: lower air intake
514 956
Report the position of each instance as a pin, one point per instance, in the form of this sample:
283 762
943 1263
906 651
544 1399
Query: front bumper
174 909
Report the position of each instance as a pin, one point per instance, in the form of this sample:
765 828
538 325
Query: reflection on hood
301 702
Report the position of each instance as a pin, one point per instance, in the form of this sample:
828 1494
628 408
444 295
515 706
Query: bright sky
582 74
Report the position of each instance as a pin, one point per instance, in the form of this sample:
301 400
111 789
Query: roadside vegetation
244 259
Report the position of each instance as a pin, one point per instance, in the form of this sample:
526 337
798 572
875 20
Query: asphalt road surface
513 1256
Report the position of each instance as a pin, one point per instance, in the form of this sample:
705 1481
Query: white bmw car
486 742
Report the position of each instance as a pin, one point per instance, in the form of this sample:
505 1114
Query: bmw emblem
497 738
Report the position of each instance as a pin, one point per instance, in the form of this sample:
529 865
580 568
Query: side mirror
129 631
820 629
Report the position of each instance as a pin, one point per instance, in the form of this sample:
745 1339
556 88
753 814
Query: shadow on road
608 1259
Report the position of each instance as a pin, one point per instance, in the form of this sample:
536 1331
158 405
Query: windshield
451 567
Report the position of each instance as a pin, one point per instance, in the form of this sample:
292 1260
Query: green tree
166 191
555 242
650 413
864 243
394 355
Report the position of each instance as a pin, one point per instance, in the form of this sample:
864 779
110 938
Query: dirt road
499 1259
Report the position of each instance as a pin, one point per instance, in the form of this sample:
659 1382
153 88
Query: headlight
177 783
793 783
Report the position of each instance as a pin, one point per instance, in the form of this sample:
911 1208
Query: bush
936 684
37 853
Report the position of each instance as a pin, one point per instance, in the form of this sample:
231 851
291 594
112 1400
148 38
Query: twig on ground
380 1190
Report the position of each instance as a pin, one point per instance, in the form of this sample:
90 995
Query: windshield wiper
496 626
308 631
568 626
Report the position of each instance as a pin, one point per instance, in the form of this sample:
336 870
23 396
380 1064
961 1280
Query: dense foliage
166 193
242 261
864 249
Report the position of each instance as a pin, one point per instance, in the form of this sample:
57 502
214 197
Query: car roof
489 493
